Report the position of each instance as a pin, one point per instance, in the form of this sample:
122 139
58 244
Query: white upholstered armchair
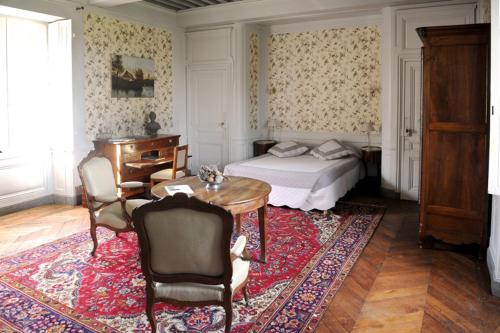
186 255
106 208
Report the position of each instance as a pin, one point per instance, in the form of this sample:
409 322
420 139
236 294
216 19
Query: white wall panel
210 45
410 19
24 179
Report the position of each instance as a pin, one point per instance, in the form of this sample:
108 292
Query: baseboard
495 285
66 200
46 200
386 193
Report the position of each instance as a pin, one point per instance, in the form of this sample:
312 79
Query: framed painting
132 76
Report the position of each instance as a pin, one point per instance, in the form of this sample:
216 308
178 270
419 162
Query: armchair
186 256
106 208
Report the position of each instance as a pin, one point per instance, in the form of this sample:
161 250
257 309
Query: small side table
372 155
260 147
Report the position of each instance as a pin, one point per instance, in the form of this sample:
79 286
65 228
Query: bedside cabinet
260 147
372 156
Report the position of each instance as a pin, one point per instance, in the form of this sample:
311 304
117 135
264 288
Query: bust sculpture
152 126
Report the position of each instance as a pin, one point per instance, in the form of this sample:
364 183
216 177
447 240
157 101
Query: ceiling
187 4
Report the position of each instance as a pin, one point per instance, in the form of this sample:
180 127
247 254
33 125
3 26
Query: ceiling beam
266 10
109 3
210 2
163 3
197 3
184 3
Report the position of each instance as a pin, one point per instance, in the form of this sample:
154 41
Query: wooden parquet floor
394 287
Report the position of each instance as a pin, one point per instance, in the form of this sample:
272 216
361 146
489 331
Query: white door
410 78
209 97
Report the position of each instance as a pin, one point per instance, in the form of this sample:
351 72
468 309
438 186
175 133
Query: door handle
222 124
408 132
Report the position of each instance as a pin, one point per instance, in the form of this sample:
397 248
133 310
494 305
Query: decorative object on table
321 256
152 126
260 147
132 76
368 127
211 175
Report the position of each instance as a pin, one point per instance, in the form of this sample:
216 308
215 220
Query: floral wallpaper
253 73
325 80
106 116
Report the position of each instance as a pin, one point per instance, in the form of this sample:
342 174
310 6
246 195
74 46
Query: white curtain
60 84
61 106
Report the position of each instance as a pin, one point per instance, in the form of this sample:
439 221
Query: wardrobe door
455 145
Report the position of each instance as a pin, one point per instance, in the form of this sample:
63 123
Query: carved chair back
180 160
184 239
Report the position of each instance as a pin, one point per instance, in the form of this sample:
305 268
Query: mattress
304 181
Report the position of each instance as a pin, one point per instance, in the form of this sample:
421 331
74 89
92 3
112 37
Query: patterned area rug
59 287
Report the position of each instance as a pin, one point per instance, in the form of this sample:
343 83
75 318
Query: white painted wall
401 42
493 255
135 12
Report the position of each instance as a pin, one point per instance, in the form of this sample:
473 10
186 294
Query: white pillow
331 150
288 149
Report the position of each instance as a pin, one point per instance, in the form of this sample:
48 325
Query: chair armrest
132 185
135 184
239 246
106 198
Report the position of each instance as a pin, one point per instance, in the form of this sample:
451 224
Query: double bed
304 181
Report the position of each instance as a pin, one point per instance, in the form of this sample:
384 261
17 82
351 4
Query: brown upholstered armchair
106 208
186 255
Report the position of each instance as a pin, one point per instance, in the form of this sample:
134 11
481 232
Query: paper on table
172 189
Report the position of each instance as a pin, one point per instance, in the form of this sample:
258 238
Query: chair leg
228 308
93 234
245 295
149 308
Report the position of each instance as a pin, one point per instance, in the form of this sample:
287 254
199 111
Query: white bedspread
304 181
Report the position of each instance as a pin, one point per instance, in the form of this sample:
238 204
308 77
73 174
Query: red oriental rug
59 287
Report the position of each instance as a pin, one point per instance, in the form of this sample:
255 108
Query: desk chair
179 167
186 256
106 208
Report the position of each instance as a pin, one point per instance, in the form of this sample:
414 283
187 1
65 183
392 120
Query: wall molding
495 281
334 23
314 138
45 200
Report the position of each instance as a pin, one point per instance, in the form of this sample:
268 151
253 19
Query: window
23 84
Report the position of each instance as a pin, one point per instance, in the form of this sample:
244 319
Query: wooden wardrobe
454 201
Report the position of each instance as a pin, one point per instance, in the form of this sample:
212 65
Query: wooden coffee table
236 194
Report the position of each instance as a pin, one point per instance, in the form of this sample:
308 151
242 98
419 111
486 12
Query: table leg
262 211
237 221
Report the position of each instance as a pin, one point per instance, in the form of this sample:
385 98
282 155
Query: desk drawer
150 145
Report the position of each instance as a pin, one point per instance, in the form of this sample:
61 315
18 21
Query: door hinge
492 110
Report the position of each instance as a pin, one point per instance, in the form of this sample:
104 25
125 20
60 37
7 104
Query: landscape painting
132 76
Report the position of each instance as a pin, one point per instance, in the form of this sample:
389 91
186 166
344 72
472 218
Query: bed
304 181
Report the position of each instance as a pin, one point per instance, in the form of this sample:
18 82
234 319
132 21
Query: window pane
27 82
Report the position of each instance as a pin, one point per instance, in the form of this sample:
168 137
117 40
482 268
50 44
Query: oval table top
233 190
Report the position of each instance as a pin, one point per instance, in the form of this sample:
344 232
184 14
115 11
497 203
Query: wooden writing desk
136 158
